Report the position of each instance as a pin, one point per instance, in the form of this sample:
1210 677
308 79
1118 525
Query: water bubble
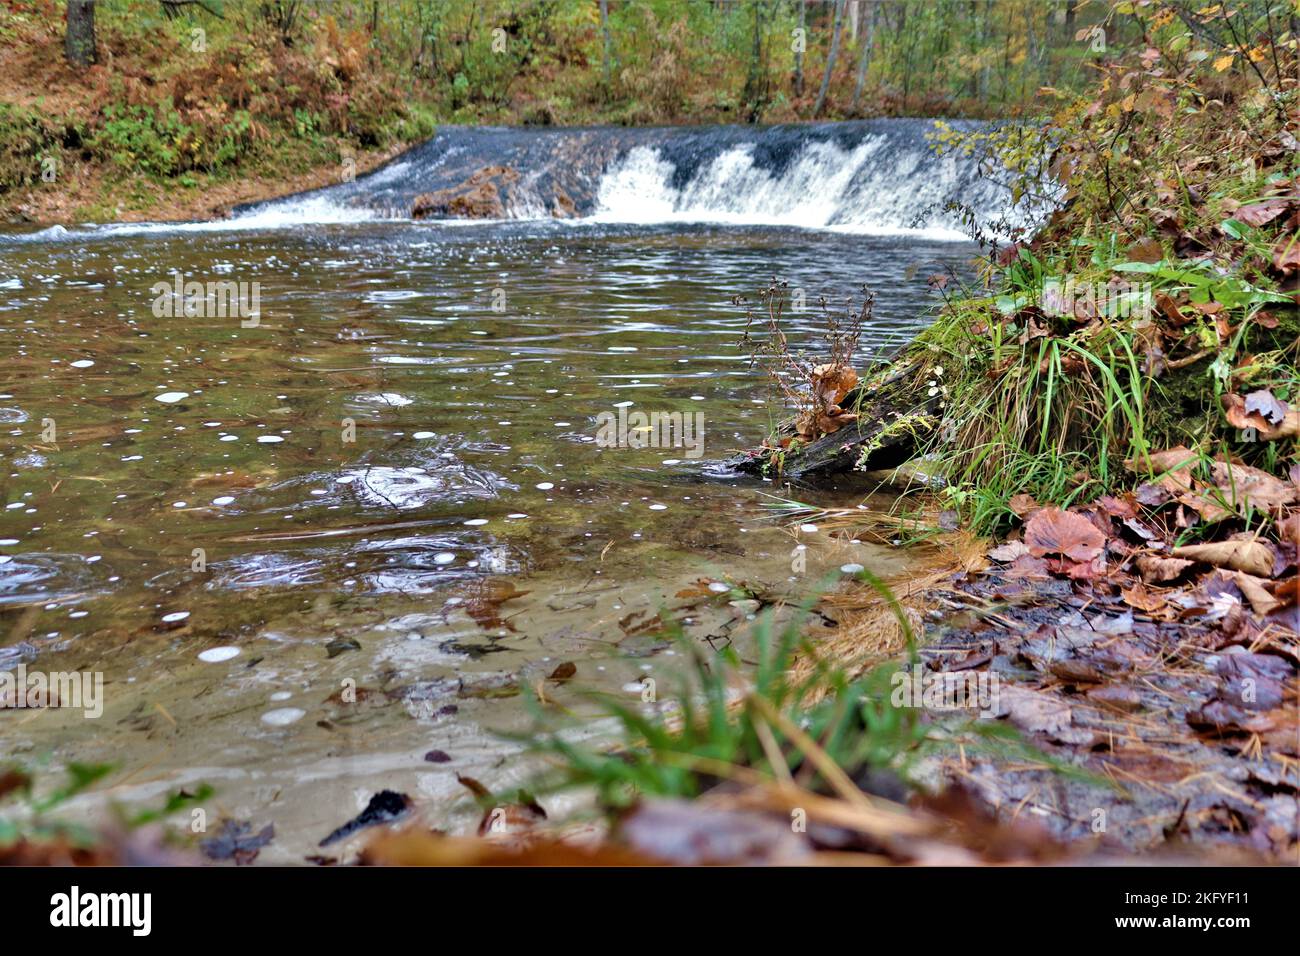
82 363
216 655
444 557
269 439
175 617
283 716
171 398
851 568
223 500
545 486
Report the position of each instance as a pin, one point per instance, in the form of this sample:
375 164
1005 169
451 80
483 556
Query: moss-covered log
896 415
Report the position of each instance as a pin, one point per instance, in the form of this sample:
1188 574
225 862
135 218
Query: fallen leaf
689 833
1139 597
1009 551
1246 485
564 671
1052 531
1288 528
1286 254
1261 601
1263 402
1158 570
1261 213
503 816
236 841
1289 427
832 383
1172 465
1116 696
484 599
1239 416
1253 557
1146 250
1033 710
1022 505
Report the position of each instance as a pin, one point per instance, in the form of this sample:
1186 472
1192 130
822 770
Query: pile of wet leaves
1166 670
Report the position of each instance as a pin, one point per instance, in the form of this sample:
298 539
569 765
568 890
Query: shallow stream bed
389 484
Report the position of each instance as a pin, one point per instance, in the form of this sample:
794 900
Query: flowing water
307 548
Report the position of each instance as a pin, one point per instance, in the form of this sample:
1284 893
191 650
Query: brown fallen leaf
1051 531
484 599
1289 427
1173 466
1022 505
1261 213
1286 254
1116 696
419 847
689 833
1008 551
502 817
1288 529
564 671
1033 710
1253 557
1146 250
1158 570
1139 597
1244 484
1265 403
832 383
1254 590
1223 718
1239 416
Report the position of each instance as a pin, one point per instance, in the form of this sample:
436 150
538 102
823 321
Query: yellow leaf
1222 63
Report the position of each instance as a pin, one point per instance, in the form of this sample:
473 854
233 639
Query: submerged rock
479 197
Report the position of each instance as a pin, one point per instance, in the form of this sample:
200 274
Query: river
310 543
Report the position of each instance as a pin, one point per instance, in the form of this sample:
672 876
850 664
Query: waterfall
866 177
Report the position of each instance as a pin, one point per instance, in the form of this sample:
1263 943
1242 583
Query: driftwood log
896 416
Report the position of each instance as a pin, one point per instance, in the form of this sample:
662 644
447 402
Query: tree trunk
79 42
798 53
830 60
755 94
864 63
604 29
